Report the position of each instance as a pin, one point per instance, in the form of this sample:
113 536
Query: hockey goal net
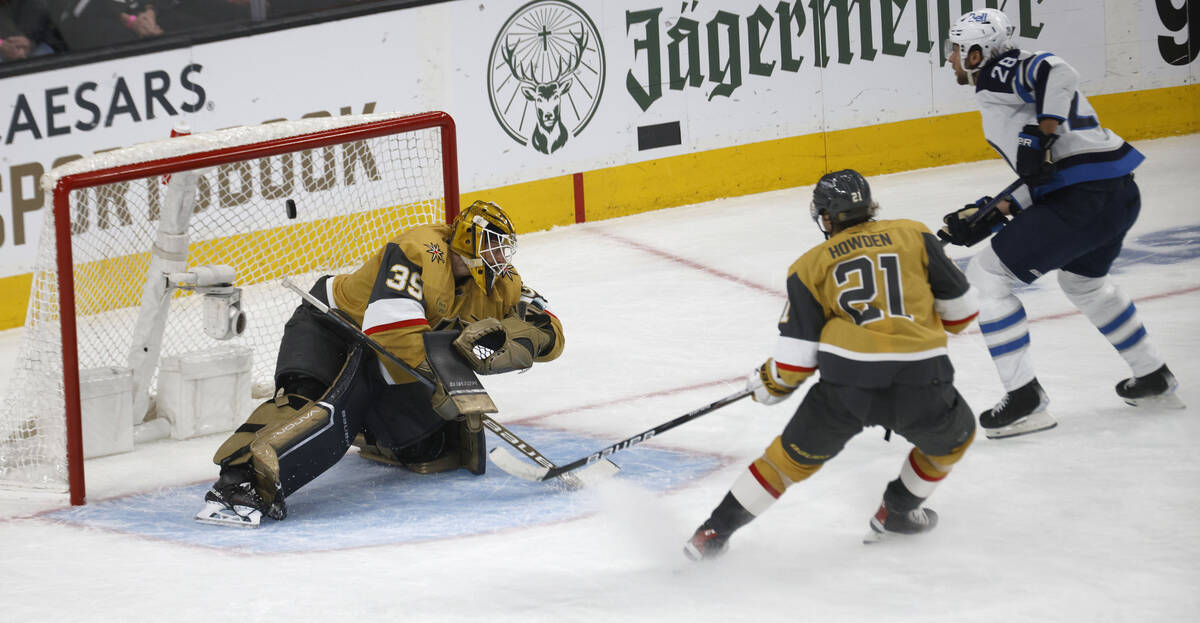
292 198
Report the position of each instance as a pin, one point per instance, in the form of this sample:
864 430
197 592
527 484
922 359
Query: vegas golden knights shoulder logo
546 74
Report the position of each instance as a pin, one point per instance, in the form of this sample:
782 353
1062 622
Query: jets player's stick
990 205
511 464
603 470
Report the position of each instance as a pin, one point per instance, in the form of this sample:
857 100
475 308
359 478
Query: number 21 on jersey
857 295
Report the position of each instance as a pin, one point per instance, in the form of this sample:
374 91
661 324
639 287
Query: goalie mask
484 238
845 197
987 29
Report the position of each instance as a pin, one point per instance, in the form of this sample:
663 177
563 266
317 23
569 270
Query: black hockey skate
1156 389
887 523
705 544
1019 412
233 502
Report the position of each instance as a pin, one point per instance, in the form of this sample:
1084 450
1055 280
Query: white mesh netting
350 198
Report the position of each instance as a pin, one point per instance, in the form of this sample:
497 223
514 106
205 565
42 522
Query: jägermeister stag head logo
546 74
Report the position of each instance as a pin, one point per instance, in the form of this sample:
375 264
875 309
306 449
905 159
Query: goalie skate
218 512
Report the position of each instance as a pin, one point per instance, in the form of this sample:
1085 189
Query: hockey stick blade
585 477
523 470
509 461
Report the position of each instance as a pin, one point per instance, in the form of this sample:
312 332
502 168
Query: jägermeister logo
546 74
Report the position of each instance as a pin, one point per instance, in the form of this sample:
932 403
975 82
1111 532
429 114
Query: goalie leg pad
287 443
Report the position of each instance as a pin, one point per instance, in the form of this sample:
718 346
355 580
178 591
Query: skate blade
875 533
217 514
874 536
1169 400
1032 423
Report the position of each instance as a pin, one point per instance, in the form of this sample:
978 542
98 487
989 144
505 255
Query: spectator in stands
26 30
185 15
88 24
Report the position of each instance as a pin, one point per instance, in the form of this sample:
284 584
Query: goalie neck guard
484 238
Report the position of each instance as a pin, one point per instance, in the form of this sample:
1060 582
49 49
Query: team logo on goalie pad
546 74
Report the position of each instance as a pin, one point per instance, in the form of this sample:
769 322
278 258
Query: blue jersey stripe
1092 171
1033 63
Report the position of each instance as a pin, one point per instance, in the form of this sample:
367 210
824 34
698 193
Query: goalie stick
511 464
599 472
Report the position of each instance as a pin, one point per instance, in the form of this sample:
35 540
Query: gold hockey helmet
484 238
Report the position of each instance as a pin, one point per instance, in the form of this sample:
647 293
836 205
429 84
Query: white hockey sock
1115 316
1005 330
1001 319
753 492
920 483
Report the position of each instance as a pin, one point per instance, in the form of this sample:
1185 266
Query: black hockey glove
1033 156
966 227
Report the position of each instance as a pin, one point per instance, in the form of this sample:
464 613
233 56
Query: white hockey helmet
987 28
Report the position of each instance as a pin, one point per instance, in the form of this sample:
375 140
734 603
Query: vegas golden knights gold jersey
408 288
870 307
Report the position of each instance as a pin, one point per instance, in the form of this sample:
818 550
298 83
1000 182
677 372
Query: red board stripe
580 211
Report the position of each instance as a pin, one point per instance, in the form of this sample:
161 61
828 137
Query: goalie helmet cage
291 198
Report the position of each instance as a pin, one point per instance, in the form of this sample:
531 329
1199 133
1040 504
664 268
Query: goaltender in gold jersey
869 308
332 392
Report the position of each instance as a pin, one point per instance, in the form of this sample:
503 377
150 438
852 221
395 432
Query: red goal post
301 197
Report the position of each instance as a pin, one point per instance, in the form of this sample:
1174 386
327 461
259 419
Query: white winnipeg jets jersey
1019 88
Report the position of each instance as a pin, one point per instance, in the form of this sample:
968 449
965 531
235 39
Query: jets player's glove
966 227
1033 156
766 389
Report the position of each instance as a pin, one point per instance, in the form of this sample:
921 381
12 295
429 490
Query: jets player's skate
1156 389
705 544
887 523
1019 412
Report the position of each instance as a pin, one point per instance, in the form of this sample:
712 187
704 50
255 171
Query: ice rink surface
1097 520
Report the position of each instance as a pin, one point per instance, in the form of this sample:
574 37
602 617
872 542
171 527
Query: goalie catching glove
493 346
